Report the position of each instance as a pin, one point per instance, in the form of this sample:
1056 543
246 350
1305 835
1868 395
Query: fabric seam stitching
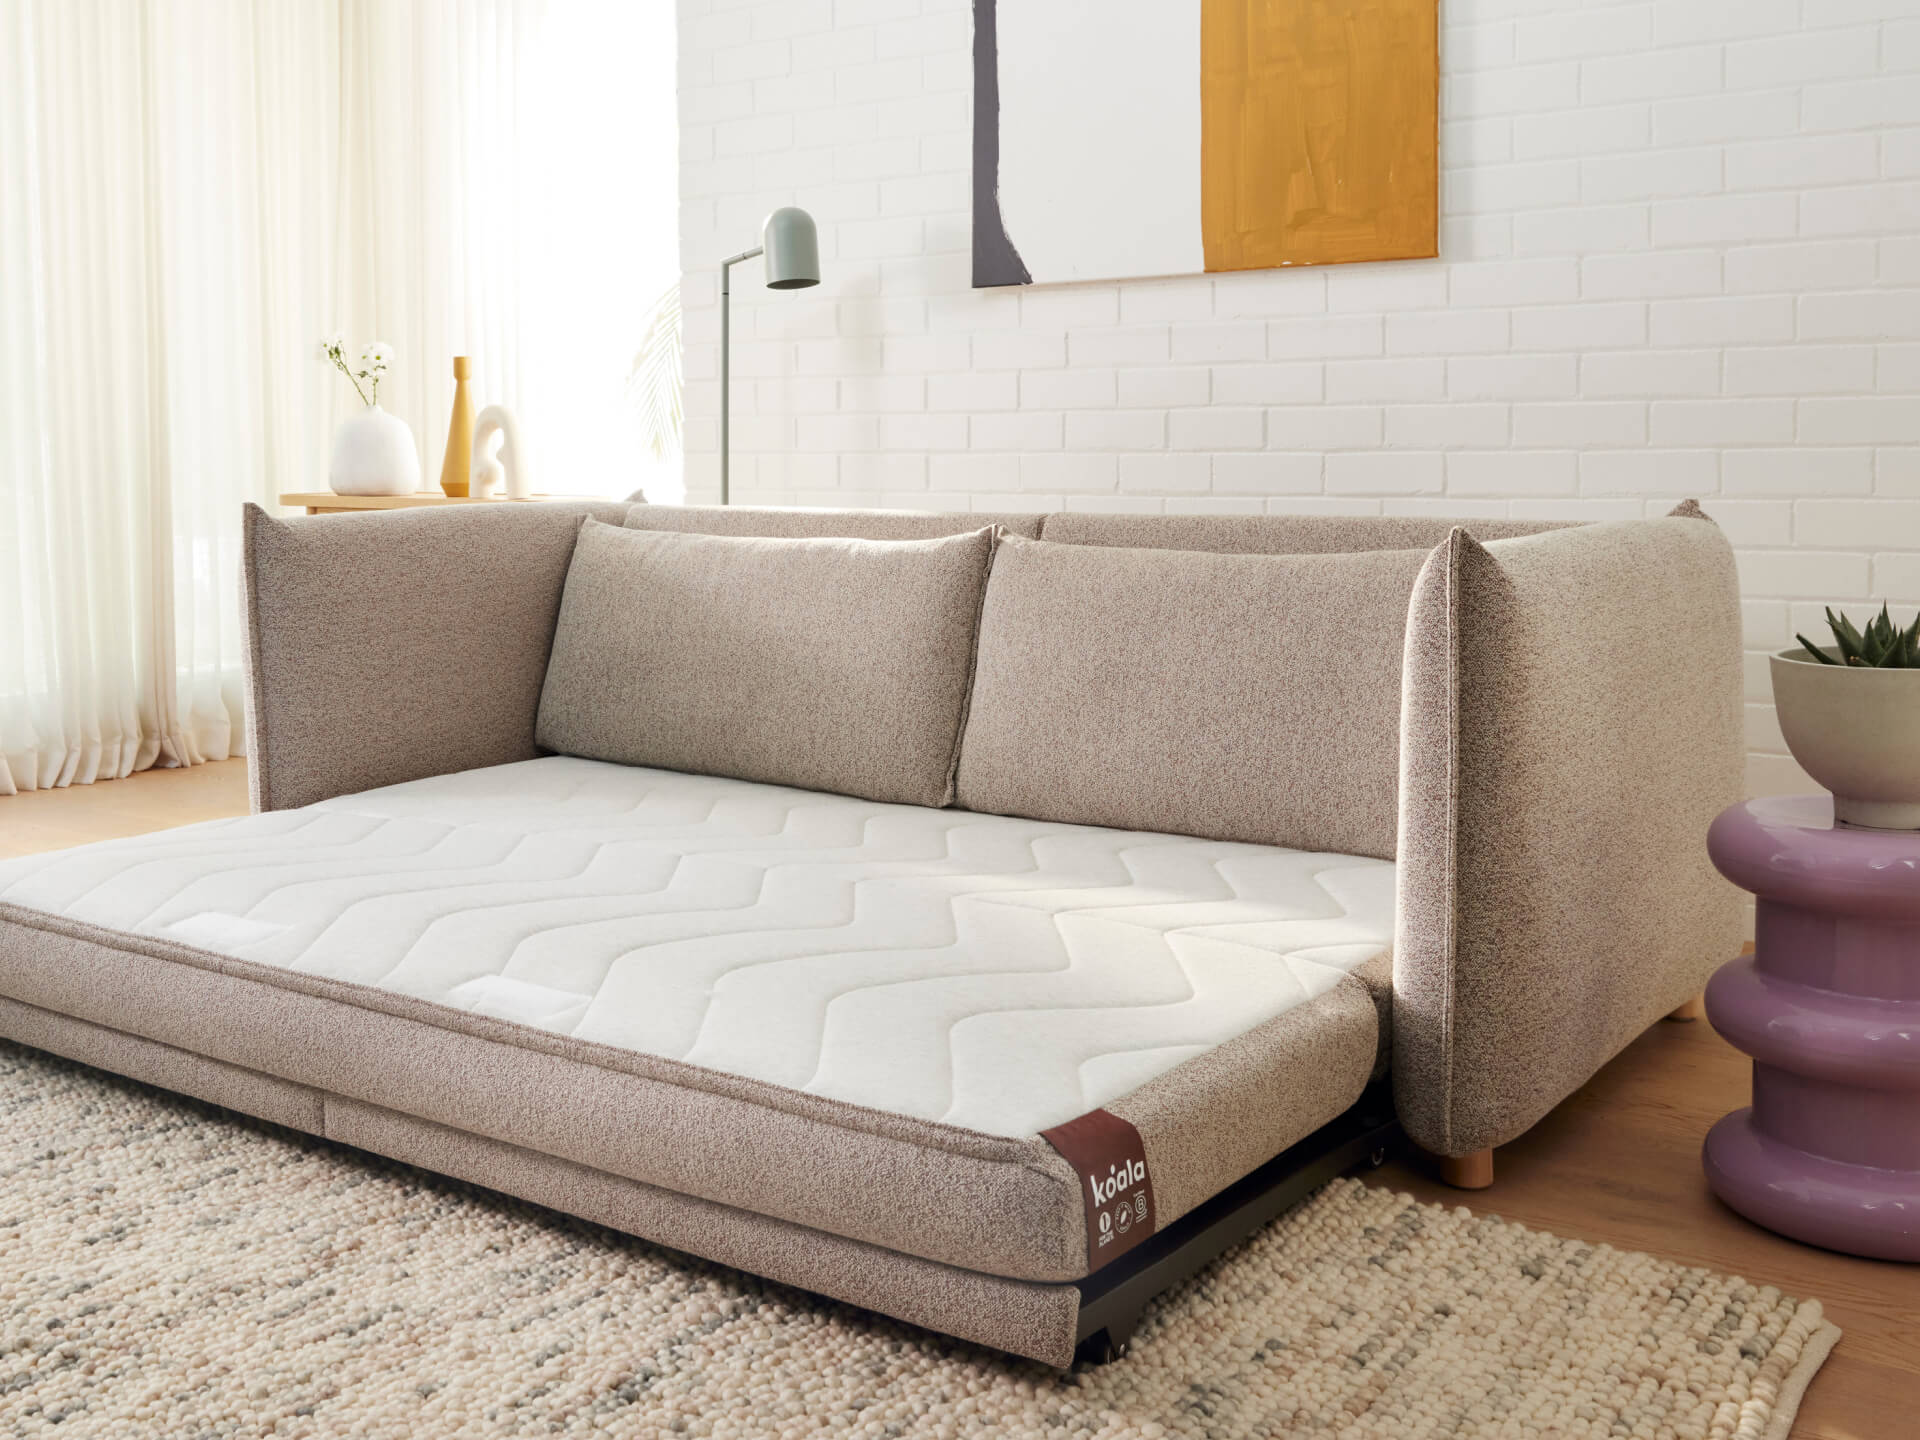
1450 855
257 683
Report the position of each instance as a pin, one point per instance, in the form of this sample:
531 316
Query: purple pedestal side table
1828 1006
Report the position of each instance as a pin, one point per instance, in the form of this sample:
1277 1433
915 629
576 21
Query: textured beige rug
171 1270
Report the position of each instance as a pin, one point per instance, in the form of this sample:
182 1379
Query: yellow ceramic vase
454 472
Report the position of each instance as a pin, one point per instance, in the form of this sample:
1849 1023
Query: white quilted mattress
999 974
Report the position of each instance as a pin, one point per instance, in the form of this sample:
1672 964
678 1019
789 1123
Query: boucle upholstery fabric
828 664
1238 697
1376 977
1224 1114
1275 534
1036 1320
778 521
249 1091
1572 724
1009 1207
387 646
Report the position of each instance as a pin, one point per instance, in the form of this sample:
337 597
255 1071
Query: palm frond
654 381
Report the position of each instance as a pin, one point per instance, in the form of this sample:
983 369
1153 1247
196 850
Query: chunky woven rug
167 1269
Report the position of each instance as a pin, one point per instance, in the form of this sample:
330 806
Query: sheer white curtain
194 192
144 269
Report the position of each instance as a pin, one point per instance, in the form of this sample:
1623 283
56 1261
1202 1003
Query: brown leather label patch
1114 1184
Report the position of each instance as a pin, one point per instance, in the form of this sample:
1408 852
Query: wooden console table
325 502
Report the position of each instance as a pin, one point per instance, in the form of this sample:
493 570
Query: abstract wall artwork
1125 138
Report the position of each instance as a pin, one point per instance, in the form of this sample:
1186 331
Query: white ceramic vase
1856 731
374 454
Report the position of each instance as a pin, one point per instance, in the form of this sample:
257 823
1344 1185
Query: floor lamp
792 247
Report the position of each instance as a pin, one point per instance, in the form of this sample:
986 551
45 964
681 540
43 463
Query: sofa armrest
1570 725
383 647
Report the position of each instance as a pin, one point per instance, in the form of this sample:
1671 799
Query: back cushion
1239 697
797 524
828 664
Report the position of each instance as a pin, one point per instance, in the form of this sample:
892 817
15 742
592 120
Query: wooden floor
151 800
1619 1162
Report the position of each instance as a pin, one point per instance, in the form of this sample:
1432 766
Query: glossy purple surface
1857 1126
1824 1034
1829 1009
1852 1208
1789 849
1839 952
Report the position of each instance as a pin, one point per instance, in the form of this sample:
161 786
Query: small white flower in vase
373 452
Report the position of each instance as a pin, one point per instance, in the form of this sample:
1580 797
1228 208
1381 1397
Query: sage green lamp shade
792 248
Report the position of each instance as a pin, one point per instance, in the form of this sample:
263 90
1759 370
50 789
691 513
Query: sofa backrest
1278 534
1164 689
774 522
330 661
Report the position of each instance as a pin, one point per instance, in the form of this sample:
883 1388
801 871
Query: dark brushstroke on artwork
995 259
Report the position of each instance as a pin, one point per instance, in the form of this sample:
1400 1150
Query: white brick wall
1681 256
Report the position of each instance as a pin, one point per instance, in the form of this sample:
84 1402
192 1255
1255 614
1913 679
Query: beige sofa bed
981 919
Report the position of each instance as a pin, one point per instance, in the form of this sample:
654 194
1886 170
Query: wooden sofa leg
1694 1009
1468 1172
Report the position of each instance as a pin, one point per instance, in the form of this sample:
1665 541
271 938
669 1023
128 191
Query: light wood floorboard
150 800
1619 1162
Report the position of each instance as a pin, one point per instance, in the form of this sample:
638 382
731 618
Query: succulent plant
1880 646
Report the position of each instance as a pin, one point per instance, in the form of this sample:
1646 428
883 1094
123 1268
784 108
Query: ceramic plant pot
1856 731
374 454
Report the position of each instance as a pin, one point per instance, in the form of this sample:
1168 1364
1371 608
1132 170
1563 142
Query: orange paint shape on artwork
1318 131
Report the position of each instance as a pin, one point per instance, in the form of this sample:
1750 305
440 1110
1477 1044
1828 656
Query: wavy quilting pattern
995 973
